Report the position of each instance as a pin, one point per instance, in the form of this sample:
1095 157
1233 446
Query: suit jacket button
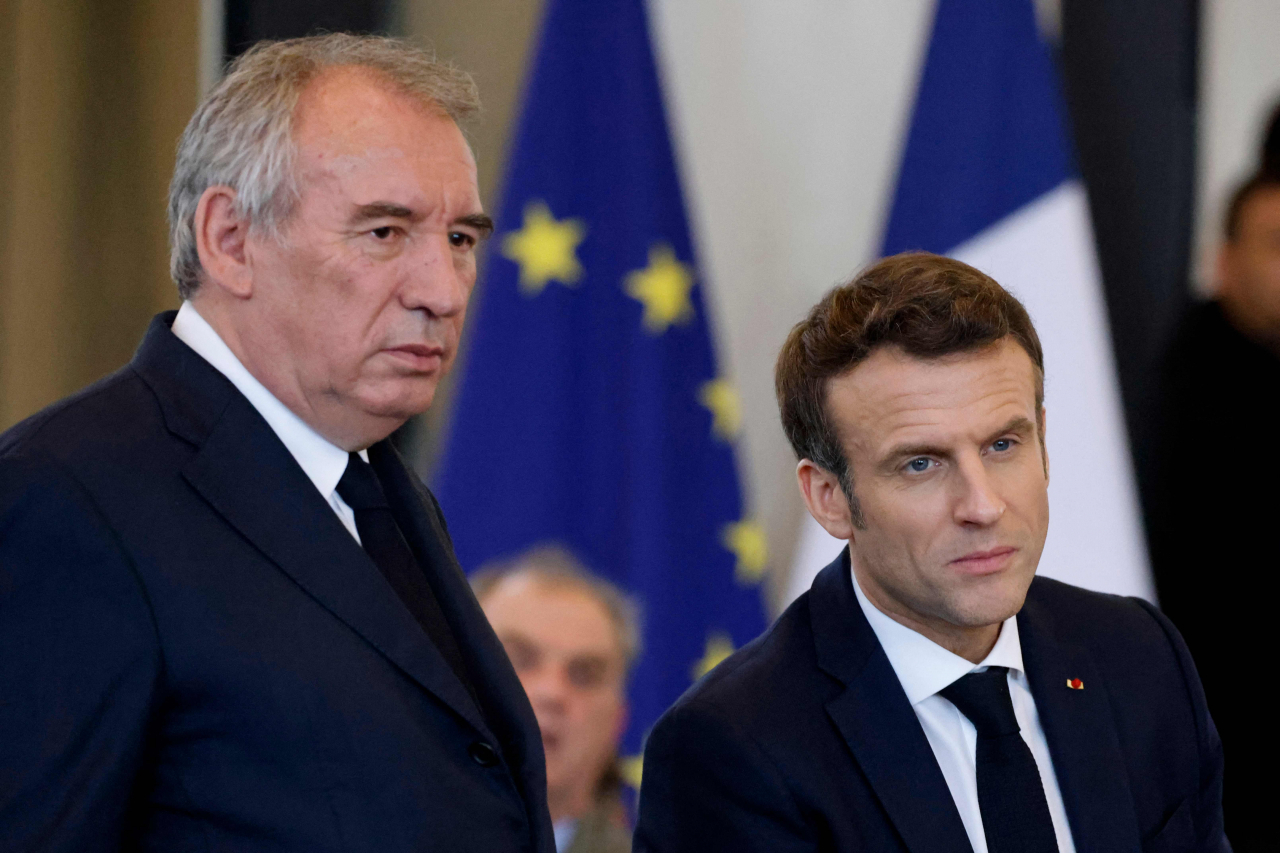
483 754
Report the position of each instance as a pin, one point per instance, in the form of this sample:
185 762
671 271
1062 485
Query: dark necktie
1015 815
386 546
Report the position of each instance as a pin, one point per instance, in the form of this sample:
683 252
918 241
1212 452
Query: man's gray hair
553 565
241 135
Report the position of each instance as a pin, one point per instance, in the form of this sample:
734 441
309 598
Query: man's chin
978 609
400 402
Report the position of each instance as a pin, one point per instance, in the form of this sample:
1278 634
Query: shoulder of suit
767 675
99 418
603 829
1097 619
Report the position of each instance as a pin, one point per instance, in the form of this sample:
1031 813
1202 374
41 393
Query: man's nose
439 284
547 686
979 502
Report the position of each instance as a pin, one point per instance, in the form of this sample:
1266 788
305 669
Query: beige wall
93 96
491 40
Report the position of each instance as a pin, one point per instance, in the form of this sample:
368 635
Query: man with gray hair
230 616
572 638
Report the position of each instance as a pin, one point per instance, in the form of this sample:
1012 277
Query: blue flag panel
590 411
987 134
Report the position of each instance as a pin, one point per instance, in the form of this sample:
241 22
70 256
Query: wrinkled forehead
354 115
554 609
893 395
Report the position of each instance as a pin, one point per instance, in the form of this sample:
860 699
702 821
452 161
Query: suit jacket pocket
1178 834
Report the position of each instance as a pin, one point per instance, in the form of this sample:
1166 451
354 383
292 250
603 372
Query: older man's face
361 302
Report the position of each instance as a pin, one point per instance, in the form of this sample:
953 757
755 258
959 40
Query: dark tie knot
359 485
984 698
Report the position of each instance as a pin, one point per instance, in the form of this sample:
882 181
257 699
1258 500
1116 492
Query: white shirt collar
565 829
322 461
923 666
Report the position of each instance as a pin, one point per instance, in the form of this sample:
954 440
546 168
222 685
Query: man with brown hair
928 693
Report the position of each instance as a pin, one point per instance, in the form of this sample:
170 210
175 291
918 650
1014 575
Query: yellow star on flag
719 647
726 408
545 248
747 541
663 287
631 768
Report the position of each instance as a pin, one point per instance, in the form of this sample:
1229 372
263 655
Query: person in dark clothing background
1214 508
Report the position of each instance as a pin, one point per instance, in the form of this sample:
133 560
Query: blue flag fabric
987 134
590 411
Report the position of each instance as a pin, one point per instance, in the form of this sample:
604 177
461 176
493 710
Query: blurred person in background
1214 510
928 692
230 615
572 638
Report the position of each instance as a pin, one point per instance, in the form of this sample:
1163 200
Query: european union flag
590 410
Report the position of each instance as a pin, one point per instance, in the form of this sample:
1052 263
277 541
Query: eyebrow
390 210
381 210
479 221
1016 424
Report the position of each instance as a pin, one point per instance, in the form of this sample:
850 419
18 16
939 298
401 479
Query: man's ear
825 499
220 241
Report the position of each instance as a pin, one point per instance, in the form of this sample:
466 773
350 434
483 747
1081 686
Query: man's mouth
424 357
985 562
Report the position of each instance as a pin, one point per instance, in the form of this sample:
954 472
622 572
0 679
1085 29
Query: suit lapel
506 707
877 722
418 517
1082 738
291 524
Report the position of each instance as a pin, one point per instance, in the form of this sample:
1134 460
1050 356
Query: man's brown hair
927 305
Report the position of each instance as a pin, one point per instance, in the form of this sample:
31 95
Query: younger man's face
946 460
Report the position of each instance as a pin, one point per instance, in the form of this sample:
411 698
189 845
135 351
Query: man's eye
586 673
461 239
383 233
1002 444
919 464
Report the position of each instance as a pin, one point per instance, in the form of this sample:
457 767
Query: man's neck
568 803
344 432
973 643
1251 324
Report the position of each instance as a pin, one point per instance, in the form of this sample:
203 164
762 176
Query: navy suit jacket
195 654
804 740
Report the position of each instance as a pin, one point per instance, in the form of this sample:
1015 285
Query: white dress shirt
923 667
322 461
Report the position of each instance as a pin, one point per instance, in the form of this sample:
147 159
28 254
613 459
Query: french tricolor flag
988 177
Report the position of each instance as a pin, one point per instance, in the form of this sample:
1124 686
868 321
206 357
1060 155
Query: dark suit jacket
804 739
196 654
1205 511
